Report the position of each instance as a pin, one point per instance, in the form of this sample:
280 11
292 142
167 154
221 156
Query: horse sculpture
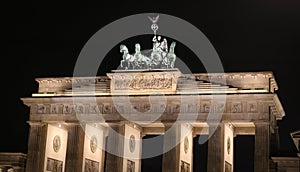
171 56
142 61
160 57
128 60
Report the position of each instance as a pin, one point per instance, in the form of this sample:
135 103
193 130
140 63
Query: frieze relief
54 108
142 82
107 108
94 109
80 109
252 107
68 108
148 108
208 107
205 107
41 108
236 107
174 108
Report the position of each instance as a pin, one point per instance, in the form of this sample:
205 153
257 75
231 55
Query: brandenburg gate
83 124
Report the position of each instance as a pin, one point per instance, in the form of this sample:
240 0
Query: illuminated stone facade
72 119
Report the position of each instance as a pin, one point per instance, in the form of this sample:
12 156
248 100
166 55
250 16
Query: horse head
137 48
172 47
123 49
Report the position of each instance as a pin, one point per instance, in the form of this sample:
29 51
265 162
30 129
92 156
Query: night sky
45 39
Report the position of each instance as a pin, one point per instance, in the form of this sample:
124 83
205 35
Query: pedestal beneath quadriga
144 81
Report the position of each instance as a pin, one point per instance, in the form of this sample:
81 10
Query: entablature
236 107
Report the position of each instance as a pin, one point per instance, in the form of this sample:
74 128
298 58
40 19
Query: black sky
45 39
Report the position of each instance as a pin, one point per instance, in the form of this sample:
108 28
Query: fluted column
215 162
262 141
115 145
171 157
178 148
74 157
36 147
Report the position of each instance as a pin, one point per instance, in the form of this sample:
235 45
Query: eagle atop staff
154 26
154 19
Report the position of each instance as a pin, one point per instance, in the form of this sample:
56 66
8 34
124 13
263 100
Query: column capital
36 123
216 124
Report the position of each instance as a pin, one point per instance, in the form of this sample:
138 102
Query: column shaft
36 148
261 154
215 162
115 145
171 158
74 157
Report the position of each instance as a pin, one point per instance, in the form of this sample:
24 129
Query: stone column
171 157
123 148
215 161
220 148
36 147
115 145
74 157
261 153
178 148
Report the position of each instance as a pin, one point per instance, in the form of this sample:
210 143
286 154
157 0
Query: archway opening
154 163
200 154
244 153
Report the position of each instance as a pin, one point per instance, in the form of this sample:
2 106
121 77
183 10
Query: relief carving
80 109
186 144
54 165
41 109
54 108
206 107
146 107
252 107
212 108
107 109
91 166
162 108
132 143
93 109
56 143
130 166
141 82
171 108
134 108
184 167
68 109
93 144
236 107
174 108
228 167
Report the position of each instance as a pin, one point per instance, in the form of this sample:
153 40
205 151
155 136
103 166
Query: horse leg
121 64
